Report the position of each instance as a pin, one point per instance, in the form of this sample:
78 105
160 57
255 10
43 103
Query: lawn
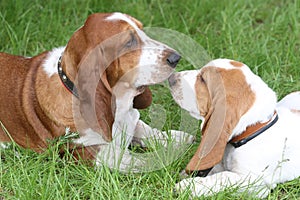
264 34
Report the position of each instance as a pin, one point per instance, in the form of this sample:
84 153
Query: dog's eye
132 42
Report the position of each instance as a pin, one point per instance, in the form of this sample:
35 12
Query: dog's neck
261 111
39 119
47 82
253 131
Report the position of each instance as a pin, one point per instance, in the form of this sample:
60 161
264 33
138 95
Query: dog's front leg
221 181
116 154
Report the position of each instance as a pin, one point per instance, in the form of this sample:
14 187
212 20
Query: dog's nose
173 59
172 80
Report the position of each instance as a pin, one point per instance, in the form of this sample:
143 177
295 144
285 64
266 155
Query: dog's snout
172 80
173 59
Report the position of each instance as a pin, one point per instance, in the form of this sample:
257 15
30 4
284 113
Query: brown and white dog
88 86
248 139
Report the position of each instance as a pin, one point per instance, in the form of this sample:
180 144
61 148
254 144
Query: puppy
248 139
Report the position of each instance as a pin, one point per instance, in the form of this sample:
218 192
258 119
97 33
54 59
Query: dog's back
14 77
291 101
286 143
11 75
13 70
289 108
273 155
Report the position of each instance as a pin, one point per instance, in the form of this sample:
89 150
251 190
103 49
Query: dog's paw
175 138
194 186
180 137
123 161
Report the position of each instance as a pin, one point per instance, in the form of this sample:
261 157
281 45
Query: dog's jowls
230 99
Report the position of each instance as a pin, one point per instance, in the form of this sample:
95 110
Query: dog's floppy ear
95 100
229 98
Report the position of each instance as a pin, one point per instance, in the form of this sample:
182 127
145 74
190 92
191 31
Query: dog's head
124 50
228 97
110 48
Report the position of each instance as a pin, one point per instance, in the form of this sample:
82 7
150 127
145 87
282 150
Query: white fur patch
290 101
184 93
50 63
121 16
91 138
221 63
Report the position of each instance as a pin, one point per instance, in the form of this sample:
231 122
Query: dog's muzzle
172 80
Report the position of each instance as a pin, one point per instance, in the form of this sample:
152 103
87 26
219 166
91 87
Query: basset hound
248 139
94 86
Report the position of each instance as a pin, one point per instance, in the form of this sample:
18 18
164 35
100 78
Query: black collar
253 131
65 80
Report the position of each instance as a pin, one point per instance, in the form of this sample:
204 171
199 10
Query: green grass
261 33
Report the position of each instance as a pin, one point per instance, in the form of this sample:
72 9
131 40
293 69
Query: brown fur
236 64
21 113
223 96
